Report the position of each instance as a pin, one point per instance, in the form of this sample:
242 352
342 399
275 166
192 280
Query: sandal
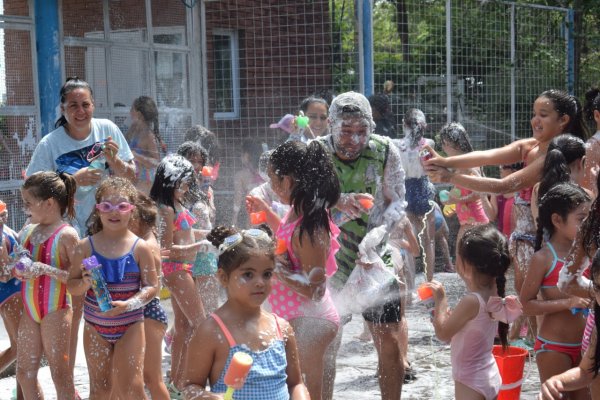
410 375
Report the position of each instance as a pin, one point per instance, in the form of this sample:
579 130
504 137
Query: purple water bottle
98 283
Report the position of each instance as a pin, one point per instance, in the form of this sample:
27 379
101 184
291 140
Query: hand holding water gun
351 206
236 374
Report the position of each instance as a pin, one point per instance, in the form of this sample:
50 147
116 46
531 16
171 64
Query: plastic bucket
511 364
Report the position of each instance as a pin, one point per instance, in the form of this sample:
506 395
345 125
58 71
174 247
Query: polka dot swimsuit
288 304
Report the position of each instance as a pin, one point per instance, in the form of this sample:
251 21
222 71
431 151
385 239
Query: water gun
584 311
340 218
281 247
426 298
257 218
302 120
98 283
236 373
449 209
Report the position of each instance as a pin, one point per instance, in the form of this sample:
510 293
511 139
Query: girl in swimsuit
303 176
482 261
174 176
455 141
143 224
45 328
586 372
114 340
246 265
554 112
145 141
562 209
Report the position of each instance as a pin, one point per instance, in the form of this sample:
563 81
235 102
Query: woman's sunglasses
106 207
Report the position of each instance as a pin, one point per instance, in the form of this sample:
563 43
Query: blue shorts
8 289
155 311
418 193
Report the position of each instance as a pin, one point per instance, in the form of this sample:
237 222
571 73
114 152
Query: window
226 73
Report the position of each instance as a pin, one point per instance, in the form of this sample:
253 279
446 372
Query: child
246 265
558 344
11 305
482 260
591 113
202 207
441 237
502 204
174 176
114 340
585 373
454 140
564 162
246 179
45 329
303 176
143 224
317 111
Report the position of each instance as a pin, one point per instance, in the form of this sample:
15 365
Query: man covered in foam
368 167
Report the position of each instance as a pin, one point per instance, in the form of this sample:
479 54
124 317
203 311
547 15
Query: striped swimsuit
122 277
44 294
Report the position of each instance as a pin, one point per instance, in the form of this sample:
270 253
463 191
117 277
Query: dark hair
46 185
316 184
147 107
254 149
562 151
455 135
595 276
515 167
189 149
120 185
590 228
310 100
72 83
206 138
171 171
381 103
560 199
592 103
232 258
414 121
145 211
486 249
566 104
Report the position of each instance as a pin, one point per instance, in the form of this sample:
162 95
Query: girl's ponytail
71 188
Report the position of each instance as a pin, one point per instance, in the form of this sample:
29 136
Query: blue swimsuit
267 379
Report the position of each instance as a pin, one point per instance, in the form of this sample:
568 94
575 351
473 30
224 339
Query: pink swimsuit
471 212
473 364
287 303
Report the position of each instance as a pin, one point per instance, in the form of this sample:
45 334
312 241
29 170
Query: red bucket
511 364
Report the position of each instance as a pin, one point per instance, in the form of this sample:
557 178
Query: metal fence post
448 60
48 61
365 16
513 79
570 38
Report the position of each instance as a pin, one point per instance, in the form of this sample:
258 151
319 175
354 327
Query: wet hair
316 184
46 185
590 228
560 199
562 151
310 100
486 250
592 103
71 84
207 140
595 277
122 187
455 135
145 211
415 124
189 149
250 246
170 173
147 107
566 104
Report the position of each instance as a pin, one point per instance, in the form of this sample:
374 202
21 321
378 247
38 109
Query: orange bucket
511 364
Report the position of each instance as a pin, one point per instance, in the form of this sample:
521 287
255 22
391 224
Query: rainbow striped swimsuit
44 294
